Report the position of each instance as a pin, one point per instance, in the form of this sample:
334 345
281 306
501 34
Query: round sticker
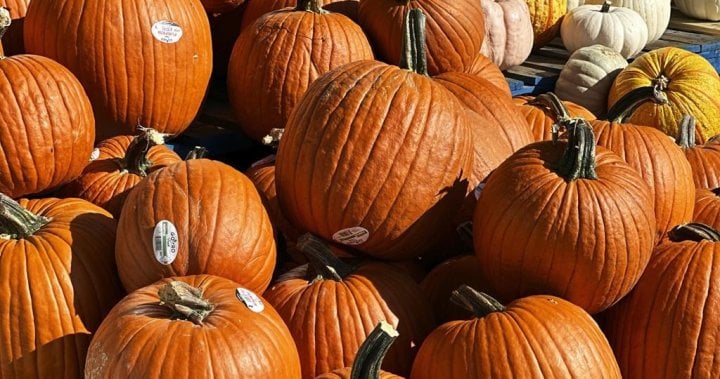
95 154
167 31
165 242
251 300
352 236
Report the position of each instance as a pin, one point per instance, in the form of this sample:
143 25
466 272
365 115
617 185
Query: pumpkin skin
62 281
483 67
707 207
446 277
541 119
106 181
655 13
238 342
127 84
665 328
534 337
273 62
48 126
263 176
529 216
704 158
587 76
693 87
455 30
508 32
703 10
546 16
621 29
233 240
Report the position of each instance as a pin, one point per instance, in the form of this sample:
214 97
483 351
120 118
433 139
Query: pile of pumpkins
413 220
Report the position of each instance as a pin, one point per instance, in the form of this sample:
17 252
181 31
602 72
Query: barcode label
352 236
165 242
250 299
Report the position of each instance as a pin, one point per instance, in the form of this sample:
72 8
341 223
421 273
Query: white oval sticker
167 31
165 242
352 236
95 154
250 299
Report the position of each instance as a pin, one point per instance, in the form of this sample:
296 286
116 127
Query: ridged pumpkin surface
222 226
378 147
47 126
545 16
58 285
541 119
142 339
705 162
264 179
483 67
707 207
131 77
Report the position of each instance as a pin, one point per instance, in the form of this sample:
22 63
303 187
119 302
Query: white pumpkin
508 32
701 9
620 29
656 14
572 4
587 76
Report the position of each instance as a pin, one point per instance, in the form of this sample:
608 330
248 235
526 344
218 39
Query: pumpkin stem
197 152
629 103
694 232
17 222
186 301
578 160
370 356
686 137
479 303
135 159
559 112
5 21
605 7
273 138
661 83
414 56
323 263
313 6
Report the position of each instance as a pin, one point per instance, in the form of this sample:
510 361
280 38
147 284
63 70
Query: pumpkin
546 16
47 126
279 56
690 82
541 118
263 176
363 177
704 159
620 29
700 9
121 163
587 76
202 326
319 303
707 207
666 326
508 32
533 337
369 356
483 67
58 276
211 219
554 217
455 30
658 160
151 66
656 14
12 40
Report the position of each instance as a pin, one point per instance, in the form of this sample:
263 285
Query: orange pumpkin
704 158
483 67
707 207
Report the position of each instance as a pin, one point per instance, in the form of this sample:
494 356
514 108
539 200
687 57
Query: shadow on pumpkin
63 357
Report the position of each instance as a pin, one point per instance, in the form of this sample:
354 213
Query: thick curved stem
629 103
310 6
185 301
578 160
323 263
17 222
694 232
135 159
197 152
686 136
414 55
479 303
558 110
370 356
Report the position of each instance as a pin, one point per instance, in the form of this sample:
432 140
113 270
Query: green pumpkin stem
686 133
414 55
479 303
370 356
605 7
5 21
558 110
135 159
578 160
185 301
628 104
311 6
197 152
17 222
694 232
323 263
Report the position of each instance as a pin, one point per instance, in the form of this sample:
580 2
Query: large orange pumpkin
667 326
707 207
216 217
141 62
541 115
201 326
483 67
555 217
533 337
704 158
58 280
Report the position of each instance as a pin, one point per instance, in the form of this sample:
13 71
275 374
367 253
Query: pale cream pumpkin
656 14
620 29
508 32
702 9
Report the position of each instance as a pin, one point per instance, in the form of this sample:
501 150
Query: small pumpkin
203 326
707 207
508 32
700 9
704 158
546 16
483 67
587 76
541 118
533 337
655 13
